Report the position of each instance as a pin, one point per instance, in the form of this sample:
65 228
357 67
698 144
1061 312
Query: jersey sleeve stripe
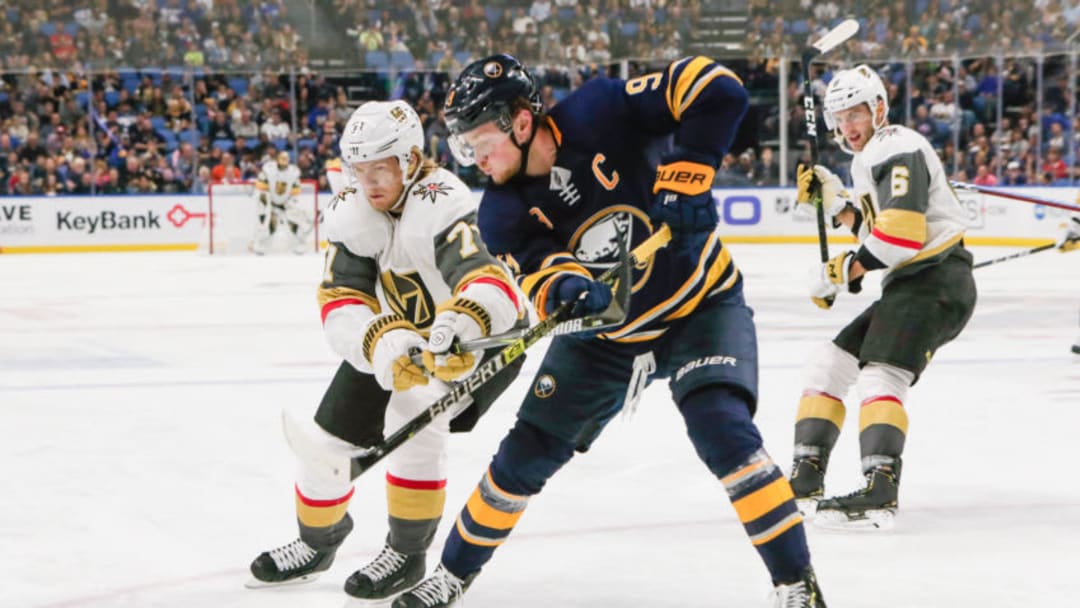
901 227
702 82
331 298
668 90
895 241
678 87
502 285
564 263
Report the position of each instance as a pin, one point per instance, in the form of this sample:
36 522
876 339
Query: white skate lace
384 565
792 596
440 588
292 555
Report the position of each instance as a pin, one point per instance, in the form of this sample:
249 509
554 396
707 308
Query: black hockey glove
589 297
684 200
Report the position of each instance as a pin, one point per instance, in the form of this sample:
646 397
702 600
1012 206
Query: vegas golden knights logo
408 298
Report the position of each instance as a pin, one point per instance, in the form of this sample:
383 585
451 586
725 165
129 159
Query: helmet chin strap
406 185
523 164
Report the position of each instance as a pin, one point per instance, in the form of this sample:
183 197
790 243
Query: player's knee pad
883 421
720 426
830 370
527 458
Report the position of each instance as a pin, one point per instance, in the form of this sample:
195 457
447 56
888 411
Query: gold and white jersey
410 263
911 216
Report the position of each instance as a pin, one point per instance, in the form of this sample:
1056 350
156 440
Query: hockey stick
1016 197
488 369
832 39
1013 256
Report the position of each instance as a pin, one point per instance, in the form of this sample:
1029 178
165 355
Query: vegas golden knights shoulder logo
408 298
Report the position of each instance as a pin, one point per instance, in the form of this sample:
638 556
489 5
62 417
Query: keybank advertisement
169 222
102 222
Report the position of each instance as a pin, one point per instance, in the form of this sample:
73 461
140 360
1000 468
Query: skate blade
807 507
357 602
254 583
875 520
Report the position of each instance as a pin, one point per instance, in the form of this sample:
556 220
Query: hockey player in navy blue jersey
566 187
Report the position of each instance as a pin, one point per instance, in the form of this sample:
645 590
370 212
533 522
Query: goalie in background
910 226
277 199
405 271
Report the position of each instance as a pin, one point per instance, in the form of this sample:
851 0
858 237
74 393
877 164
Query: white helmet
849 88
382 129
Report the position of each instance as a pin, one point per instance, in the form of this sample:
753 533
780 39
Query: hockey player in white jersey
910 226
405 271
277 192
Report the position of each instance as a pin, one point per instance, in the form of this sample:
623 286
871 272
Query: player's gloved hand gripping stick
514 349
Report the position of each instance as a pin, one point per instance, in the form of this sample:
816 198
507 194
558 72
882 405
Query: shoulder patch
431 190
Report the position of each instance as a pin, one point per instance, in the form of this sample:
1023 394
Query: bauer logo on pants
705 361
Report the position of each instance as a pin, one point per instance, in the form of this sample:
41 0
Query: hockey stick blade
489 368
836 36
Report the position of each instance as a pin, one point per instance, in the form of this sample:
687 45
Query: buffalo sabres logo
493 69
408 298
596 242
430 190
545 386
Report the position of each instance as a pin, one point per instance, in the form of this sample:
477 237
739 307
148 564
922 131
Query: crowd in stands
81 111
937 58
445 34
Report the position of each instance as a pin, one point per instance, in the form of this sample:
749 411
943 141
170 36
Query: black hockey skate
295 562
387 576
808 484
871 508
805 593
440 590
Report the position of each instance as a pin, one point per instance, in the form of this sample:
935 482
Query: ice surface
143 463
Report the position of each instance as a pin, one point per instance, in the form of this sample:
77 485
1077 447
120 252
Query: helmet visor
468 149
462 151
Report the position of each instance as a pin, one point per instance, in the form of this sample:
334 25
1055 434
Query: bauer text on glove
684 201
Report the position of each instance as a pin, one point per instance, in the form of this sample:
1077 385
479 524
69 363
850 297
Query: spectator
220 128
246 127
1054 166
227 172
1013 175
274 128
983 177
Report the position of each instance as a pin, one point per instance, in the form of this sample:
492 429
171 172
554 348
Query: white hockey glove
388 342
459 320
1069 239
828 278
821 185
